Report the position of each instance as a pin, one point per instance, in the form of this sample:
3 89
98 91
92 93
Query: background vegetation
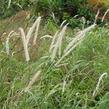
39 83
10 7
62 9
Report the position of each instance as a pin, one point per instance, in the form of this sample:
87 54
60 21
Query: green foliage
10 7
69 86
61 8
47 8
104 102
65 87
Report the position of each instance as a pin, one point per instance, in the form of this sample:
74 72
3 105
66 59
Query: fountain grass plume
7 42
25 44
53 42
105 15
56 45
98 84
34 79
46 36
32 29
37 29
61 36
75 42
56 36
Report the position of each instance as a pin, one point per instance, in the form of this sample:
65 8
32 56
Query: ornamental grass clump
25 44
10 35
33 31
75 42
35 27
56 44
26 38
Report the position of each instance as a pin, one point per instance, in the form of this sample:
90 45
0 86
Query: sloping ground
80 82
12 23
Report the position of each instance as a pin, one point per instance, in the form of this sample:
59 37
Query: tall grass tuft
75 42
37 29
26 38
56 44
32 29
25 44
7 42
